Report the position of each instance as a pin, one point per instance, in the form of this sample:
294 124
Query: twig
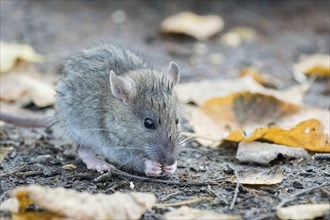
284 201
29 173
120 174
211 191
11 173
170 195
188 202
236 191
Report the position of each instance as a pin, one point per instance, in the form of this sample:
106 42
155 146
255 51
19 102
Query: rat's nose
169 161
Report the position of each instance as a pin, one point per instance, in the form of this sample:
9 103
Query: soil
286 30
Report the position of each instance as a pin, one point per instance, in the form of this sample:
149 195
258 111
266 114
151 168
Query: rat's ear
122 87
173 73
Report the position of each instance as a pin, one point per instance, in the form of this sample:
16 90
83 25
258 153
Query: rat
114 103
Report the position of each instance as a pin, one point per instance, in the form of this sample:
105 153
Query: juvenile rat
112 103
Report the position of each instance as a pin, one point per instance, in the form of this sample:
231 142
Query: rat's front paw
169 169
156 169
152 168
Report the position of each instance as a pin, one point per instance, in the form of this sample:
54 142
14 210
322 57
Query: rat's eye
149 123
177 121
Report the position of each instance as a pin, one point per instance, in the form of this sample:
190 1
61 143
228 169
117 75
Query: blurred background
274 35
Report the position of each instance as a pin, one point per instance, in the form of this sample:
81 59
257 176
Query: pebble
118 16
216 58
298 185
200 48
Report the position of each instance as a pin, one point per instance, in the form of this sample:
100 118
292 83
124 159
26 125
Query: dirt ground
286 30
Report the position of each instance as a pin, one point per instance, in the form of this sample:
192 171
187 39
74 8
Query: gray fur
91 115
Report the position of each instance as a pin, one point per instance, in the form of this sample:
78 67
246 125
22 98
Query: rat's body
112 103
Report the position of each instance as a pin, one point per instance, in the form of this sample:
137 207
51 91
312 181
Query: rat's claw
99 166
103 167
168 170
152 168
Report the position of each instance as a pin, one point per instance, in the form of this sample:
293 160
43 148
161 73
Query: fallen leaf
263 79
257 176
4 151
197 214
25 85
70 204
197 26
208 133
264 153
11 52
247 110
305 211
317 65
200 92
307 134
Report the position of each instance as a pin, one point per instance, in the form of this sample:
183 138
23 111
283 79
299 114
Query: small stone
231 39
216 58
298 185
12 154
118 16
200 48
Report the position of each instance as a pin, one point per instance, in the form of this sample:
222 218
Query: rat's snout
168 161
153 168
166 157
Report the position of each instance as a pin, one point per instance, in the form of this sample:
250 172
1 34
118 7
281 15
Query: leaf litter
24 85
279 117
63 203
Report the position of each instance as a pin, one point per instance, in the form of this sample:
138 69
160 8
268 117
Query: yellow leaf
197 26
307 134
319 71
11 52
317 65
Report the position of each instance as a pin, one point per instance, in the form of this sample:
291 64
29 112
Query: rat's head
149 107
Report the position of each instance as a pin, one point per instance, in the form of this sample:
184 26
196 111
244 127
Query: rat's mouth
153 168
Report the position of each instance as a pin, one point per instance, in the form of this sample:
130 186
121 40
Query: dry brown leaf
263 79
186 213
305 211
264 153
25 85
317 65
247 111
70 204
258 176
11 52
197 26
307 134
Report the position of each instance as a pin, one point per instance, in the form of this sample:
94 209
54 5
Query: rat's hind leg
92 162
